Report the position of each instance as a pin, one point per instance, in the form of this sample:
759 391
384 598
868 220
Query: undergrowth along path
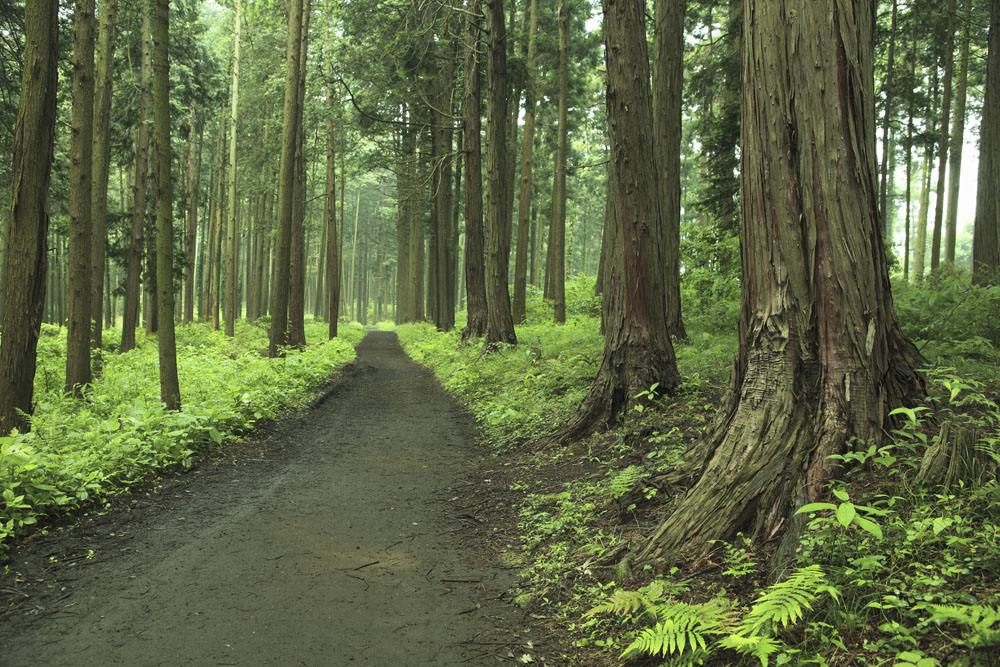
340 538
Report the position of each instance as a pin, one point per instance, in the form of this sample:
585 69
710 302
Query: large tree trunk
297 261
923 214
231 221
637 349
81 155
102 152
170 392
957 140
278 332
527 173
404 309
986 235
23 286
943 140
191 232
668 88
499 319
821 357
130 311
558 233
475 281
332 305
444 311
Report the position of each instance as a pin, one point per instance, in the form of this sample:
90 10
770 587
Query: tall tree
499 319
986 235
821 357
195 131
475 281
527 171
943 133
297 253
957 139
637 349
278 331
668 88
103 86
332 277
130 311
441 174
232 221
22 289
170 392
883 188
78 373
558 233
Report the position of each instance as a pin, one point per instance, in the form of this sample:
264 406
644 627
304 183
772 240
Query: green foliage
80 450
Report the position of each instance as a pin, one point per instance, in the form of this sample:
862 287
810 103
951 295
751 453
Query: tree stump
954 457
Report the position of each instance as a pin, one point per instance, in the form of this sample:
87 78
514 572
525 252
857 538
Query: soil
347 535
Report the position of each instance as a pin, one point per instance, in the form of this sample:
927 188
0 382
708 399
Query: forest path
338 539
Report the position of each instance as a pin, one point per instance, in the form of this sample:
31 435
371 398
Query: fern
785 602
683 628
624 481
624 603
756 646
980 619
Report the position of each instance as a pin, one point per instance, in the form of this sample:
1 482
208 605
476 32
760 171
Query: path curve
340 544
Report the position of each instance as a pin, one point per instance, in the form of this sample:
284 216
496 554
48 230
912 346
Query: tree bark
130 311
558 233
499 319
957 140
638 353
78 373
986 234
191 232
943 141
475 281
297 261
668 89
821 357
170 392
527 173
102 152
231 221
24 271
278 331
441 174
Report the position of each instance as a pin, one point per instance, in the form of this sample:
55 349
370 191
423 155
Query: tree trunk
81 154
403 169
956 142
986 235
102 151
278 331
821 357
527 174
668 89
499 320
191 233
943 141
923 215
130 311
231 222
170 392
883 188
297 259
638 353
23 287
475 282
441 131
558 233
909 162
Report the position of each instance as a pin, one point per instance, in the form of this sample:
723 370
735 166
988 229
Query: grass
81 450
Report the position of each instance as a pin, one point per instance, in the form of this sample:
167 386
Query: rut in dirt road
346 550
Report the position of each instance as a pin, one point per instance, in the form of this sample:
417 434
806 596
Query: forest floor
356 532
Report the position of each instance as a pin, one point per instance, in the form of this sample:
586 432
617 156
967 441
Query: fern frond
625 480
757 646
623 603
682 628
785 602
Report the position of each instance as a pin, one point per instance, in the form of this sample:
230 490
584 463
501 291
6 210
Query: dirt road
339 539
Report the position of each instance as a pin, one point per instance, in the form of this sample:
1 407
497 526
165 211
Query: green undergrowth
889 571
79 450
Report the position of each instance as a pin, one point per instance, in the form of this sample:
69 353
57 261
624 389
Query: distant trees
24 271
986 241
